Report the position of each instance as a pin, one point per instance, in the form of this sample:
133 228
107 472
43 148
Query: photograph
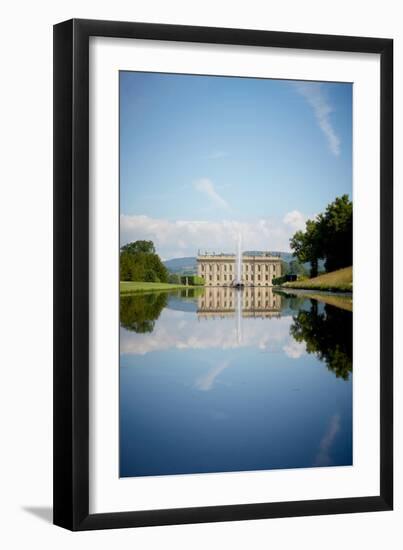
236 274
214 257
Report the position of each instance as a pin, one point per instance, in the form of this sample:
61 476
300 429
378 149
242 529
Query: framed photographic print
222 274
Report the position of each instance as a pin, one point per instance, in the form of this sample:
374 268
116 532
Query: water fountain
238 281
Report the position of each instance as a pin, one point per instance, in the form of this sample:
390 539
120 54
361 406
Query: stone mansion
220 269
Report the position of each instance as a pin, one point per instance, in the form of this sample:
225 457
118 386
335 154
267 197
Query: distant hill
181 265
188 265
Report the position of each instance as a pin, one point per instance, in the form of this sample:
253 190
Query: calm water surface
217 380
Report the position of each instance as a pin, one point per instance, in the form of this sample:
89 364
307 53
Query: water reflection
182 326
303 325
323 458
328 334
252 302
216 380
139 312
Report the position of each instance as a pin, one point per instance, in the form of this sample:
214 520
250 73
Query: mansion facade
220 269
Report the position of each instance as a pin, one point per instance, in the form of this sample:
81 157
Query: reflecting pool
218 380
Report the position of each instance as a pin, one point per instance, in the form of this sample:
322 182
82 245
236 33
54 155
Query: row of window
210 266
246 267
246 278
267 303
229 292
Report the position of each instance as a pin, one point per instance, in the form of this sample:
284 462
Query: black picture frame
71 274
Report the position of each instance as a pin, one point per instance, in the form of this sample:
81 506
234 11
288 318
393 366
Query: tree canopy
329 236
139 262
147 247
295 267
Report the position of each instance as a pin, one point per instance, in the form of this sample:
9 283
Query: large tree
147 247
295 267
139 262
307 245
328 236
337 234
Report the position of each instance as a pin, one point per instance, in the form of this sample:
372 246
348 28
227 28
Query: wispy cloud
323 457
315 96
206 382
174 239
206 187
217 155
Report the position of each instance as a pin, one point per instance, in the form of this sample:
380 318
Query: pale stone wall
220 270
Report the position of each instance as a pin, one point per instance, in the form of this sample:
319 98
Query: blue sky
203 158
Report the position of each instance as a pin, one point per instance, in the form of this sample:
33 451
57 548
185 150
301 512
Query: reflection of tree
139 312
190 292
329 335
294 302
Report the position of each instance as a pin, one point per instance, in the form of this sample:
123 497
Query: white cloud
294 349
316 98
206 187
182 330
295 219
174 239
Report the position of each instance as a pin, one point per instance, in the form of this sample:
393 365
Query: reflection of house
220 270
253 302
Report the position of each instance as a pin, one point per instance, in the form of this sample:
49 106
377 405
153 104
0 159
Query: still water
216 380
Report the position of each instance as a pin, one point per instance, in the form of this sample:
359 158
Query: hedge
192 280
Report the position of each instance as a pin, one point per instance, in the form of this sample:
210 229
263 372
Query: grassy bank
336 281
131 287
339 300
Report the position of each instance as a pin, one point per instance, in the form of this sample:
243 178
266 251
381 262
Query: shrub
192 280
279 280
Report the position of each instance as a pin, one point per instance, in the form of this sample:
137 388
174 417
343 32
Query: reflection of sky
323 457
206 382
194 399
183 330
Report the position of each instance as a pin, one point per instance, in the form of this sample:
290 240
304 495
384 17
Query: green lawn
130 287
338 281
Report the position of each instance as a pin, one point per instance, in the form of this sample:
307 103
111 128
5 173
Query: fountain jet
238 280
